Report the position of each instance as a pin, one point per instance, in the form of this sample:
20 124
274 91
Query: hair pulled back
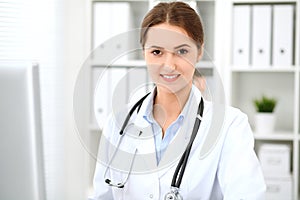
177 14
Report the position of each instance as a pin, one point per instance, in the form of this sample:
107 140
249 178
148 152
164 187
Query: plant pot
264 123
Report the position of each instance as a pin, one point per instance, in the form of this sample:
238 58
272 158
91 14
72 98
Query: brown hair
197 73
175 13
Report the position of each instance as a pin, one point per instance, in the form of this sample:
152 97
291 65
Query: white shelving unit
282 82
241 83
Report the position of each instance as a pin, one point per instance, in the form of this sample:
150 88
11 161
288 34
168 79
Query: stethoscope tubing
180 169
184 158
137 104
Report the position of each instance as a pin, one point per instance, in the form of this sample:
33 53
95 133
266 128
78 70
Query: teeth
170 77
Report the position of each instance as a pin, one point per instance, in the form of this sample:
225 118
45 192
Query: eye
182 51
156 52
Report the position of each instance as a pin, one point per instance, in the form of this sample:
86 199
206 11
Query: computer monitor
21 149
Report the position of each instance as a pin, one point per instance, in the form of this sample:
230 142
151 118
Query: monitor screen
21 149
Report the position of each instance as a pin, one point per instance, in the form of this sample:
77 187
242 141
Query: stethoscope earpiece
118 185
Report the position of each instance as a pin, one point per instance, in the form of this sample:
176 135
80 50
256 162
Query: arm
240 175
102 191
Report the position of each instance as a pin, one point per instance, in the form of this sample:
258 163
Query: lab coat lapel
146 149
146 157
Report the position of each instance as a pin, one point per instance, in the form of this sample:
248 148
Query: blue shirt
161 144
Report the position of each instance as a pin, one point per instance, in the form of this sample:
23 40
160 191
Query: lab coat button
151 196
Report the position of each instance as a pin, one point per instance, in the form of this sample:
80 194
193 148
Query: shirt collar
148 116
149 107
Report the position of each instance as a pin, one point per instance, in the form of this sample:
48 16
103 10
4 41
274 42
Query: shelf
277 136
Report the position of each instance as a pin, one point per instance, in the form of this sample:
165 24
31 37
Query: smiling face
170 55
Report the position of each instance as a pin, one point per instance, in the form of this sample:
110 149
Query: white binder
137 83
100 101
241 35
110 94
101 25
111 19
261 35
118 89
283 35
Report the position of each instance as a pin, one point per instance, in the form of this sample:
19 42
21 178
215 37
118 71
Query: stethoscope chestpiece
173 194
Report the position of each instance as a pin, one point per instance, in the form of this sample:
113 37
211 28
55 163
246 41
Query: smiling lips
170 77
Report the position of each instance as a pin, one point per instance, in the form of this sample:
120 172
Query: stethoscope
180 169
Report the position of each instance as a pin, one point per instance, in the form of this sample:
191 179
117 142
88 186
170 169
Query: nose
170 60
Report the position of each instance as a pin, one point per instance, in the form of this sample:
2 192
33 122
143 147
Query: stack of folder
263 35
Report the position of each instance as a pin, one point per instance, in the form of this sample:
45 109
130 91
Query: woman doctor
173 144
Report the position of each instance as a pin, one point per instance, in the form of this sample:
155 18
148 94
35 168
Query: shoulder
227 120
228 113
134 110
237 127
235 120
235 114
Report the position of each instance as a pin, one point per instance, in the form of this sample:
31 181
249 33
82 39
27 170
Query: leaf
265 104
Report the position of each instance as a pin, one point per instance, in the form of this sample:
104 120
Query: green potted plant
265 117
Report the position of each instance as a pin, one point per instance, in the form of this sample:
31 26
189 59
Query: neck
167 106
168 99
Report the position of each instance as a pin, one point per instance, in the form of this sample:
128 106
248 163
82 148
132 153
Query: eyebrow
183 45
158 47
155 47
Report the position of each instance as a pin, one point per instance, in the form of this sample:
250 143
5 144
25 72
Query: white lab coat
222 163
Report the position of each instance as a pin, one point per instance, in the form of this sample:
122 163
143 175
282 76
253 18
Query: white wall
54 33
77 41
33 30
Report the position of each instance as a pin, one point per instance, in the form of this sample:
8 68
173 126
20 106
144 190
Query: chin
174 88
